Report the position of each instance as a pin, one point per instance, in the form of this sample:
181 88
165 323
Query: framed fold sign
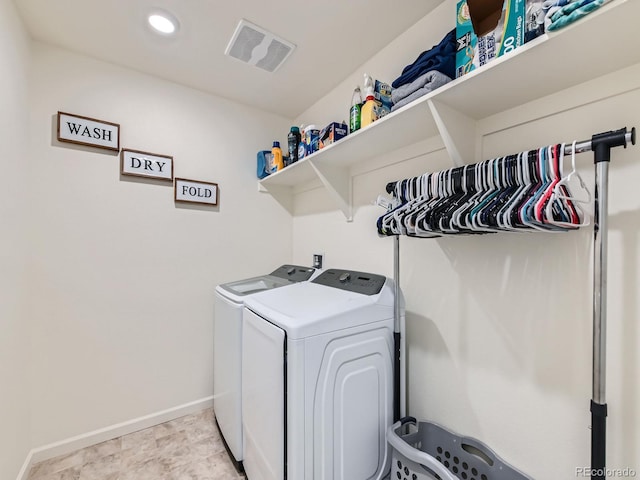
88 131
194 191
144 164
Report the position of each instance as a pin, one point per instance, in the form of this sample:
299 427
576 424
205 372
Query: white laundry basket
426 451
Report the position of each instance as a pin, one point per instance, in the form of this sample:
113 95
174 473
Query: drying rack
601 144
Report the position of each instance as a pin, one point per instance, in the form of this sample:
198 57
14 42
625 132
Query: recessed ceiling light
163 23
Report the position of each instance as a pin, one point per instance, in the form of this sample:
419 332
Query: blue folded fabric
427 83
554 3
438 80
573 11
442 57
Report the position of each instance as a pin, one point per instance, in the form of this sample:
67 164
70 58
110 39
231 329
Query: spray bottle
368 113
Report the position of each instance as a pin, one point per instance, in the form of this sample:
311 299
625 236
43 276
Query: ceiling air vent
256 46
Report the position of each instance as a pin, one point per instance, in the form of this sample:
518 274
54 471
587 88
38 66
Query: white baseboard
114 431
26 466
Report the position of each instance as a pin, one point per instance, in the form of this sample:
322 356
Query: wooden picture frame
81 130
195 191
137 163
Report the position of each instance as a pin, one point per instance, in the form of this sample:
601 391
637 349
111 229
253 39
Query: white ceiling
333 38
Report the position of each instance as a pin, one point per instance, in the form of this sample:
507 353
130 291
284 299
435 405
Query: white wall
499 326
123 279
14 332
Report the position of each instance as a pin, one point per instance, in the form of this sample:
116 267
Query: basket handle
408 419
478 449
415 455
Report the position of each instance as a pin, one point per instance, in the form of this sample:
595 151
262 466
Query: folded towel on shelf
439 79
432 79
441 57
571 12
547 4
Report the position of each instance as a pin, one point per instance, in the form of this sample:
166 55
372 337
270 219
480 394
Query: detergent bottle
354 111
293 141
277 156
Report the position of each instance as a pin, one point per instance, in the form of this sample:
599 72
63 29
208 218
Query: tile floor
188 448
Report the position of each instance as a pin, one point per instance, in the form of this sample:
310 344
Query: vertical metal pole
397 332
598 402
600 282
396 279
601 144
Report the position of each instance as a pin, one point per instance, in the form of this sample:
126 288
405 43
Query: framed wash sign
194 191
144 164
88 131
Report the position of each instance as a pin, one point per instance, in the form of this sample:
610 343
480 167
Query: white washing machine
227 348
317 379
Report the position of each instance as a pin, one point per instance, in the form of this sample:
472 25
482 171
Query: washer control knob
344 277
291 271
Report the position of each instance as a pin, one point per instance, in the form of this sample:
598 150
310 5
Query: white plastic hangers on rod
524 191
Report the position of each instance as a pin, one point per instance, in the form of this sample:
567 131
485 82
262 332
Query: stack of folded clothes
431 70
563 13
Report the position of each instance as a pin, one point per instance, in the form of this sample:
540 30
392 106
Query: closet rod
622 136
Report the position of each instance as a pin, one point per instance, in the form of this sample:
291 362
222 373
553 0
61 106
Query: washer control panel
295 273
352 281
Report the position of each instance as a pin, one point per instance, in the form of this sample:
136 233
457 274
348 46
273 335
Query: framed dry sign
88 131
144 164
194 191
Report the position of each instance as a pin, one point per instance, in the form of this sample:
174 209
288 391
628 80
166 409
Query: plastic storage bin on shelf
430 452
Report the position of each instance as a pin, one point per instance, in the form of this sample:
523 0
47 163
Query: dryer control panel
352 281
295 273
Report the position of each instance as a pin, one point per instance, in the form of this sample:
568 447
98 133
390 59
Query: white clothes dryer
317 379
227 348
